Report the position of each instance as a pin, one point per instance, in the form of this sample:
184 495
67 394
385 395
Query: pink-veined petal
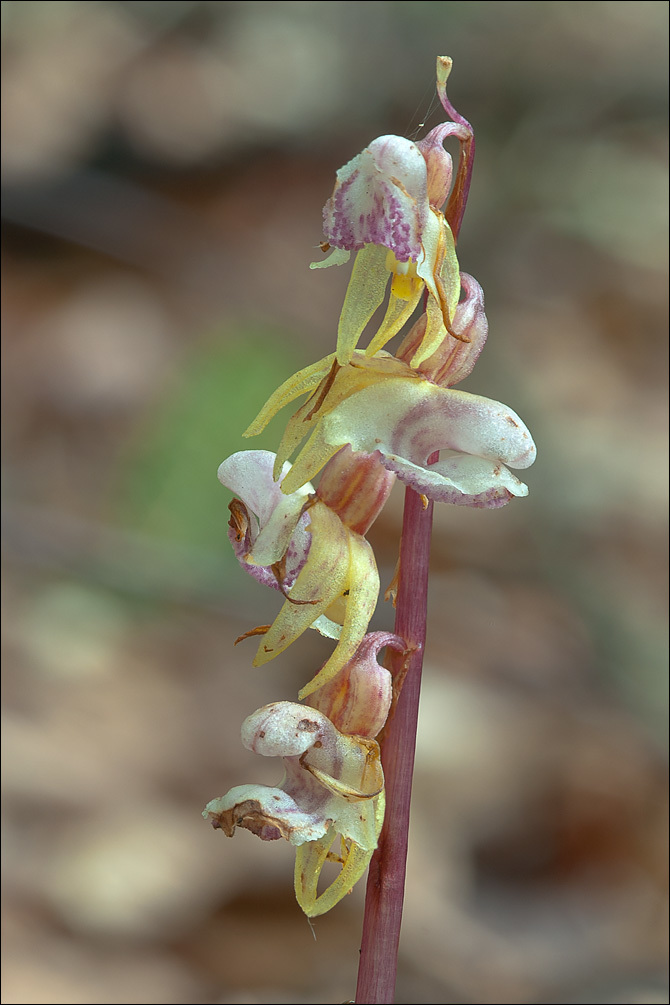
460 479
407 421
276 526
329 779
380 197
415 418
270 813
453 360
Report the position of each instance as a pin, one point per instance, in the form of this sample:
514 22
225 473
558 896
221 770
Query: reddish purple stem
386 878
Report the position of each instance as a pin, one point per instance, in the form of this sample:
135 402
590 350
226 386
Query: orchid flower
404 421
333 782
386 207
382 406
311 548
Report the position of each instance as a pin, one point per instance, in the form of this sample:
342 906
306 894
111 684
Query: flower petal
331 778
440 272
454 358
323 578
460 479
365 292
310 859
268 812
338 256
363 584
398 312
407 420
277 527
380 197
296 385
284 729
248 475
439 164
356 487
362 372
413 419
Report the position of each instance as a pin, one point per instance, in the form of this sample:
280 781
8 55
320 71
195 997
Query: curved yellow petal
314 455
300 383
367 286
434 334
450 270
363 587
311 857
445 291
399 310
324 577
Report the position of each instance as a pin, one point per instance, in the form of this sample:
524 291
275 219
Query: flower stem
386 878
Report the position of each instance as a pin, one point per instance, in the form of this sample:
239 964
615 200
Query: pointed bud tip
444 65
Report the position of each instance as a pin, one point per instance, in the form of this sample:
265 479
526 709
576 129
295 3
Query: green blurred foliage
168 485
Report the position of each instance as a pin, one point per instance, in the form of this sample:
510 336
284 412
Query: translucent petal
299 383
367 286
324 577
444 286
398 312
314 455
362 372
337 256
360 606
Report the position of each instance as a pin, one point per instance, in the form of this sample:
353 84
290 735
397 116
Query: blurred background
164 167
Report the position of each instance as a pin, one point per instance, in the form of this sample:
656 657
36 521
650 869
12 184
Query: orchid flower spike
386 207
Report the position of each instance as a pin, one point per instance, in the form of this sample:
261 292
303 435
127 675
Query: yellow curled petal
445 290
367 286
399 310
363 584
300 383
311 857
314 455
434 334
450 271
324 577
